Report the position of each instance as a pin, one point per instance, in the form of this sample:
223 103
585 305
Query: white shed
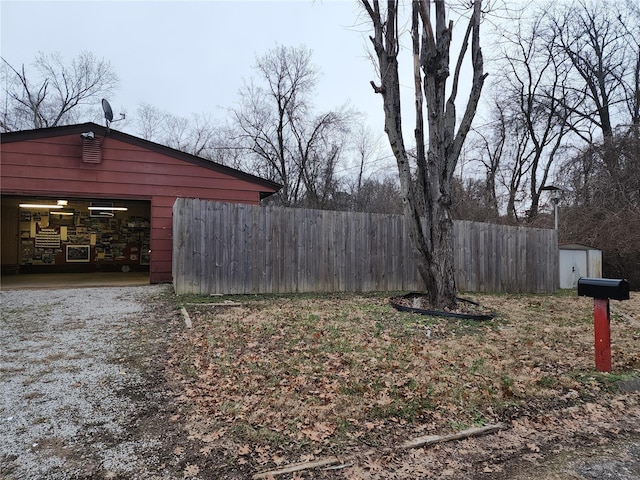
577 261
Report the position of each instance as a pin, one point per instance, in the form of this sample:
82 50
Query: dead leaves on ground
287 378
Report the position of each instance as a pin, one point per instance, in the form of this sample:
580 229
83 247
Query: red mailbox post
602 333
602 289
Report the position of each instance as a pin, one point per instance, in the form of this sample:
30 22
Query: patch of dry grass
317 373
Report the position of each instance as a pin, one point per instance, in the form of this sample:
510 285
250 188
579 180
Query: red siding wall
54 167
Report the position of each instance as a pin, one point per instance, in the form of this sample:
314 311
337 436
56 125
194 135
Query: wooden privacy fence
234 248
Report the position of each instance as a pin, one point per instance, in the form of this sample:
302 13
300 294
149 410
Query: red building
84 198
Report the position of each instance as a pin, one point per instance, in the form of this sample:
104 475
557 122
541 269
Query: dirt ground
87 392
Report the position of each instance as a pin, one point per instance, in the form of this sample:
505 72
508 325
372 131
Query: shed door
573 265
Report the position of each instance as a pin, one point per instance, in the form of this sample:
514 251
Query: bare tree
380 195
430 191
366 147
571 72
600 41
603 210
488 149
540 100
288 142
198 134
470 201
591 35
629 18
320 145
149 121
57 94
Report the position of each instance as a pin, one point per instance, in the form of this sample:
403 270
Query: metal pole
555 201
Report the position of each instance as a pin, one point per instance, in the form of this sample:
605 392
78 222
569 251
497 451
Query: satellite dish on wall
108 113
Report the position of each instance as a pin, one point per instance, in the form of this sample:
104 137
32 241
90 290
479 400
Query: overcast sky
191 57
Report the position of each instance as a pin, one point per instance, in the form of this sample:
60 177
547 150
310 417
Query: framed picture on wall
78 253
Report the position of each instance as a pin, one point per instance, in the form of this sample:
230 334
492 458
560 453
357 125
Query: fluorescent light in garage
39 205
118 209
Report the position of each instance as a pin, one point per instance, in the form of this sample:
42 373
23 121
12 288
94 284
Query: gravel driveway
83 391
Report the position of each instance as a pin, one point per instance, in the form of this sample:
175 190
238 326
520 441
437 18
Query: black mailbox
614 288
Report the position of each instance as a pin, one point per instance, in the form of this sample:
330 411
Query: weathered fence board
236 248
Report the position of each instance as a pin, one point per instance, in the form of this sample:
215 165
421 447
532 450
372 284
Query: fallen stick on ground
219 304
470 432
415 443
185 315
296 467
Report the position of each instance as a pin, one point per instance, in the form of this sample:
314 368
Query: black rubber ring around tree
442 313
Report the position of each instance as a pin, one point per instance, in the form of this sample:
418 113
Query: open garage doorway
51 235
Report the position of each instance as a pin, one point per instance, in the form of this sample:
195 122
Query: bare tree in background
430 192
149 121
470 201
57 94
366 147
601 42
604 210
320 147
488 148
603 178
629 19
570 74
594 37
198 134
380 195
536 103
289 143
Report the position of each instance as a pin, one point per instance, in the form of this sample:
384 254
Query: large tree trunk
427 194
